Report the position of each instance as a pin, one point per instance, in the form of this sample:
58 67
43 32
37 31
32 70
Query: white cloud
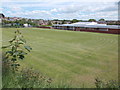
97 15
16 9
60 1
54 10
91 8
1 10
61 9
70 9
32 14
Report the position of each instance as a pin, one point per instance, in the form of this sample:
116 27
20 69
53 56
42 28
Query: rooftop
90 25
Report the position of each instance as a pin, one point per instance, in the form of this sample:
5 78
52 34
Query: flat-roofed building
89 27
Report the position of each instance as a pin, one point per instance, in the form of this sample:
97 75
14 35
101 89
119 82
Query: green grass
68 56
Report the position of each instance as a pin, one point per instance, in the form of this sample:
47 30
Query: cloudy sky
61 9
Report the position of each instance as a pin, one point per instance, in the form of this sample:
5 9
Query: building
113 22
12 18
89 27
26 25
56 22
44 22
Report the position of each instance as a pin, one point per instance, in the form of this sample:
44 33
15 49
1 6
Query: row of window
82 28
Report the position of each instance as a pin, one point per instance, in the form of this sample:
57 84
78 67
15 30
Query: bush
106 84
26 78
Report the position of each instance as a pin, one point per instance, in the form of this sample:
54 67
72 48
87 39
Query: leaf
21 57
23 53
10 52
12 39
18 64
12 64
15 65
23 40
13 48
6 46
28 48
13 59
16 53
20 43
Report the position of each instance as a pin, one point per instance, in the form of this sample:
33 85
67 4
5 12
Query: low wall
111 31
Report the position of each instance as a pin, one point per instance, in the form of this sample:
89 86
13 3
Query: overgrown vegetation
26 78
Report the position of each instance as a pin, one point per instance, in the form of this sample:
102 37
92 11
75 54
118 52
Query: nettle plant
16 50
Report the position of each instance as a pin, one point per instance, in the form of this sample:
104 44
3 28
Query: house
101 22
56 22
113 22
26 25
43 22
89 27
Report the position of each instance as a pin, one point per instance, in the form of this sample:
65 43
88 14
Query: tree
74 21
91 20
16 50
56 20
63 21
49 23
101 19
80 20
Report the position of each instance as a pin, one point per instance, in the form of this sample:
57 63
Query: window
103 29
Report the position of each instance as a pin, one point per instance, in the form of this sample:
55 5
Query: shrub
106 84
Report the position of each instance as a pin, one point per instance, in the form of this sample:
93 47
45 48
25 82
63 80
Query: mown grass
68 56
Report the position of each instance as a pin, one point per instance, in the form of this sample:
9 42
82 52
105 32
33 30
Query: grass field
68 56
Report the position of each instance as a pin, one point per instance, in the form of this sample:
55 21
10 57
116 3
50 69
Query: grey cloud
108 9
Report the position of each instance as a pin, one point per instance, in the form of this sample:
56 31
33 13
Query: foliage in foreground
16 50
26 78
106 84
